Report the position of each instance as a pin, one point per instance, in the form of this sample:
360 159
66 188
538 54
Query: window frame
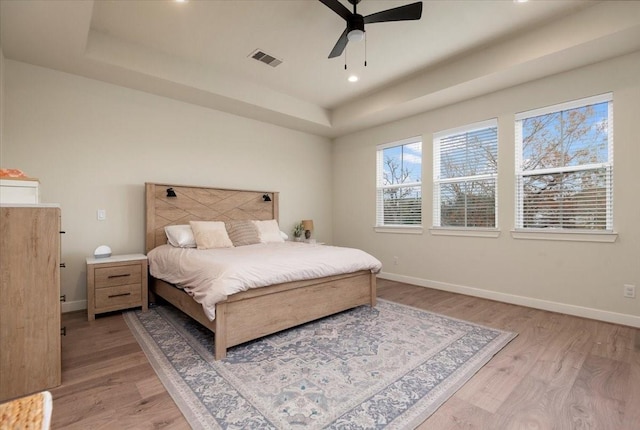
437 227
379 225
562 233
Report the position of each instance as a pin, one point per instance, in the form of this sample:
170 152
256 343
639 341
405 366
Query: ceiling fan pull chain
365 50
345 59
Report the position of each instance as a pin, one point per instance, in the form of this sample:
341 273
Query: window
564 166
399 187
465 170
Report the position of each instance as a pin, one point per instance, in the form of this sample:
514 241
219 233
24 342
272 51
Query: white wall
94 145
582 278
1 101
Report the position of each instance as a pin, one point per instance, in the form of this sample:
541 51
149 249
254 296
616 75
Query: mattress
211 275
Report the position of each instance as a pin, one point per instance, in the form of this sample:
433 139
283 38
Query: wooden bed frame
258 312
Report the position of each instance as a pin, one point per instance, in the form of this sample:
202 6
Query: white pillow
180 236
284 235
210 234
269 231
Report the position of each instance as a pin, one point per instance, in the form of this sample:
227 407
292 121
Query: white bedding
213 274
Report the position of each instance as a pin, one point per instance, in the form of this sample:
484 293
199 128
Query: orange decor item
12 173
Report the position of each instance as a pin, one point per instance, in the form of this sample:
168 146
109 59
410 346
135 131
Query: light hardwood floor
561 372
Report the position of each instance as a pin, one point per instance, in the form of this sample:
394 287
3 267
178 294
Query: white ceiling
198 52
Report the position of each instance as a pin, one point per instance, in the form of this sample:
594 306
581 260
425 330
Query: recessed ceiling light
353 78
181 1
520 1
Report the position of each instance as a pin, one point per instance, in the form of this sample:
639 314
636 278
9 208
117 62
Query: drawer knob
119 276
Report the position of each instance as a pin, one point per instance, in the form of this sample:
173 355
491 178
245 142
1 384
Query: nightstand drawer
119 275
119 296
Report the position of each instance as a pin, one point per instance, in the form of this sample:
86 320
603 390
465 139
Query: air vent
265 58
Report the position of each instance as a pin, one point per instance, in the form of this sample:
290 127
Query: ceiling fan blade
402 13
340 45
337 7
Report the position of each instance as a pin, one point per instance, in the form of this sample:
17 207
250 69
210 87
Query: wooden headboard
201 204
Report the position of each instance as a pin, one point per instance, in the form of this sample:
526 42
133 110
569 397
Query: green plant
298 230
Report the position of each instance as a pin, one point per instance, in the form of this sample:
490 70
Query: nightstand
115 283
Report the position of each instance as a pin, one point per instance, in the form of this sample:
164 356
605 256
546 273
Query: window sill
571 236
467 232
398 229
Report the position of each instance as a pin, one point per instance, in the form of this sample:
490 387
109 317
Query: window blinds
564 166
399 185
465 172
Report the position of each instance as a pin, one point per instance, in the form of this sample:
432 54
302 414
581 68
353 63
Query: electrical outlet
395 261
101 214
629 291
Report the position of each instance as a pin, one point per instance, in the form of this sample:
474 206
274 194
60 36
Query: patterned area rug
386 367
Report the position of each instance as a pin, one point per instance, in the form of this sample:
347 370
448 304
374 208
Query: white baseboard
77 305
579 311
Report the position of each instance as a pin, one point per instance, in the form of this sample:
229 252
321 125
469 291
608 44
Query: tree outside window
565 166
399 189
465 175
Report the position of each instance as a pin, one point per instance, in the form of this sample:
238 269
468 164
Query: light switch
102 214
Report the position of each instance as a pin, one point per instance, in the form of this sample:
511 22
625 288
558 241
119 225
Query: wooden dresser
29 299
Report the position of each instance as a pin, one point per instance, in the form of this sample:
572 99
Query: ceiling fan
356 22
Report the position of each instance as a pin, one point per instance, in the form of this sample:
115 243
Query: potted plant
298 229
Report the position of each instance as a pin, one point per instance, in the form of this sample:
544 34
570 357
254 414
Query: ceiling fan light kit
355 35
355 22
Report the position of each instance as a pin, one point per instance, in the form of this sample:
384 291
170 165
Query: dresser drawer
119 275
118 297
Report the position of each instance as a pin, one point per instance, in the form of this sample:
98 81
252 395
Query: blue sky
407 157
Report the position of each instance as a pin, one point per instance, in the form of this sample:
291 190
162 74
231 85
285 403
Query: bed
257 312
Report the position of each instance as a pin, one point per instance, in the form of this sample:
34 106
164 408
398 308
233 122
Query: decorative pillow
210 234
269 231
284 235
180 236
242 232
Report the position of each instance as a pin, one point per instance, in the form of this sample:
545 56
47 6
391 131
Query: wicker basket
31 412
